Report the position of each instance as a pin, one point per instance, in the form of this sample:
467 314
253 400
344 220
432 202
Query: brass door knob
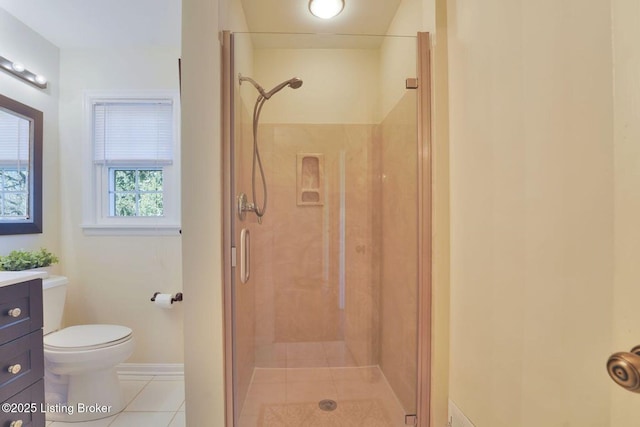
624 369
16 423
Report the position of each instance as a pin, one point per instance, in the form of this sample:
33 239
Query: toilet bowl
81 382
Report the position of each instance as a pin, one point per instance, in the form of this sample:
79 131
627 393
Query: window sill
131 230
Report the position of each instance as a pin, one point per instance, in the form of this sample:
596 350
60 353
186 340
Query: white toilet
81 382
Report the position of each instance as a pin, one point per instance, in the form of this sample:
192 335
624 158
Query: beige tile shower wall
362 246
400 250
296 249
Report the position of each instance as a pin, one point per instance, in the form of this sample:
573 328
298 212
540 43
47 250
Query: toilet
81 382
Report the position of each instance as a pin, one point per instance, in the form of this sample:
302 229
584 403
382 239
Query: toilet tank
54 292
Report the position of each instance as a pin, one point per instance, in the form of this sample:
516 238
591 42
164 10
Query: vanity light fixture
326 9
18 70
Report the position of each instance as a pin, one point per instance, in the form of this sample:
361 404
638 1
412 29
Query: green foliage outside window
137 192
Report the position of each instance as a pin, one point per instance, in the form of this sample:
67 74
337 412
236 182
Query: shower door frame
424 397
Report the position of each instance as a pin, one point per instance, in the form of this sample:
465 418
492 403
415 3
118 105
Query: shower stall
327 291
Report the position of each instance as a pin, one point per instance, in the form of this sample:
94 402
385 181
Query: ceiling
101 23
120 23
293 16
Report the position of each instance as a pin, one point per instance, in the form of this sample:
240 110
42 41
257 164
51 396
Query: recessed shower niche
310 168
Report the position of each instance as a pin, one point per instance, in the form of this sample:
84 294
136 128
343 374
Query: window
134 163
135 192
14 193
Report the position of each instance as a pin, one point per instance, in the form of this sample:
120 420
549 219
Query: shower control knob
624 369
14 369
15 312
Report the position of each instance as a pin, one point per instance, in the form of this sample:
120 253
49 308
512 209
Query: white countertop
12 277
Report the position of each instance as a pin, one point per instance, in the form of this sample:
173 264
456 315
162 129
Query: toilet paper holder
178 297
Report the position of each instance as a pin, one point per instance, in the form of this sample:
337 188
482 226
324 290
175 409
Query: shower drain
328 405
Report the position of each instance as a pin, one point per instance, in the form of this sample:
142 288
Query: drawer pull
15 312
14 369
17 423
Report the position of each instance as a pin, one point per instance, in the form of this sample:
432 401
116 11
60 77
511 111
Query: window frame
96 184
33 224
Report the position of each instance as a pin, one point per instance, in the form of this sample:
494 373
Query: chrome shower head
294 83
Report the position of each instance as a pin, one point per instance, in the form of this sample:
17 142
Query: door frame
425 209
228 226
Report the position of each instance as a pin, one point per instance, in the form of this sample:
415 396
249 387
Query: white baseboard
154 369
456 417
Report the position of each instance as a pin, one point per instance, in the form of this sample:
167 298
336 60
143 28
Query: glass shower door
325 321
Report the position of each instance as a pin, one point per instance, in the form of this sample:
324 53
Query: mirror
20 168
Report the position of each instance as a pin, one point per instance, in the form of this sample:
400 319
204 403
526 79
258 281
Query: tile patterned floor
298 385
303 373
151 402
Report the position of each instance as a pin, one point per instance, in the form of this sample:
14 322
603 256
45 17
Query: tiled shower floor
290 386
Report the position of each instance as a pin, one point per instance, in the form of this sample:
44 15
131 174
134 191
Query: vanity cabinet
21 355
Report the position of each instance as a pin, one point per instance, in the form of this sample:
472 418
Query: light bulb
17 67
326 9
41 79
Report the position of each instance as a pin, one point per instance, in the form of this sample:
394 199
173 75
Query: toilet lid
87 336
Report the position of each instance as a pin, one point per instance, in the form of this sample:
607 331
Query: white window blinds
14 140
139 132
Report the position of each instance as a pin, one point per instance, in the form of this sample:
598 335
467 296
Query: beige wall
440 302
397 55
354 80
19 43
201 214
532 215
115 271
626 325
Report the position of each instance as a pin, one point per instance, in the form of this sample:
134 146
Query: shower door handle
245 255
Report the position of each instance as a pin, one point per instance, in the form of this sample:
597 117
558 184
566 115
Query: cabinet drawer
26 357
25 297
30 416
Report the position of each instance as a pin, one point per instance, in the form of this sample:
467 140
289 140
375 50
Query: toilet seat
86 337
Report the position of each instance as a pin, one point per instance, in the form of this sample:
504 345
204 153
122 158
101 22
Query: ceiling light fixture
326 9
18 70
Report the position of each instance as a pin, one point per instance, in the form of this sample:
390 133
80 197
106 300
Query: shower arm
255 84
